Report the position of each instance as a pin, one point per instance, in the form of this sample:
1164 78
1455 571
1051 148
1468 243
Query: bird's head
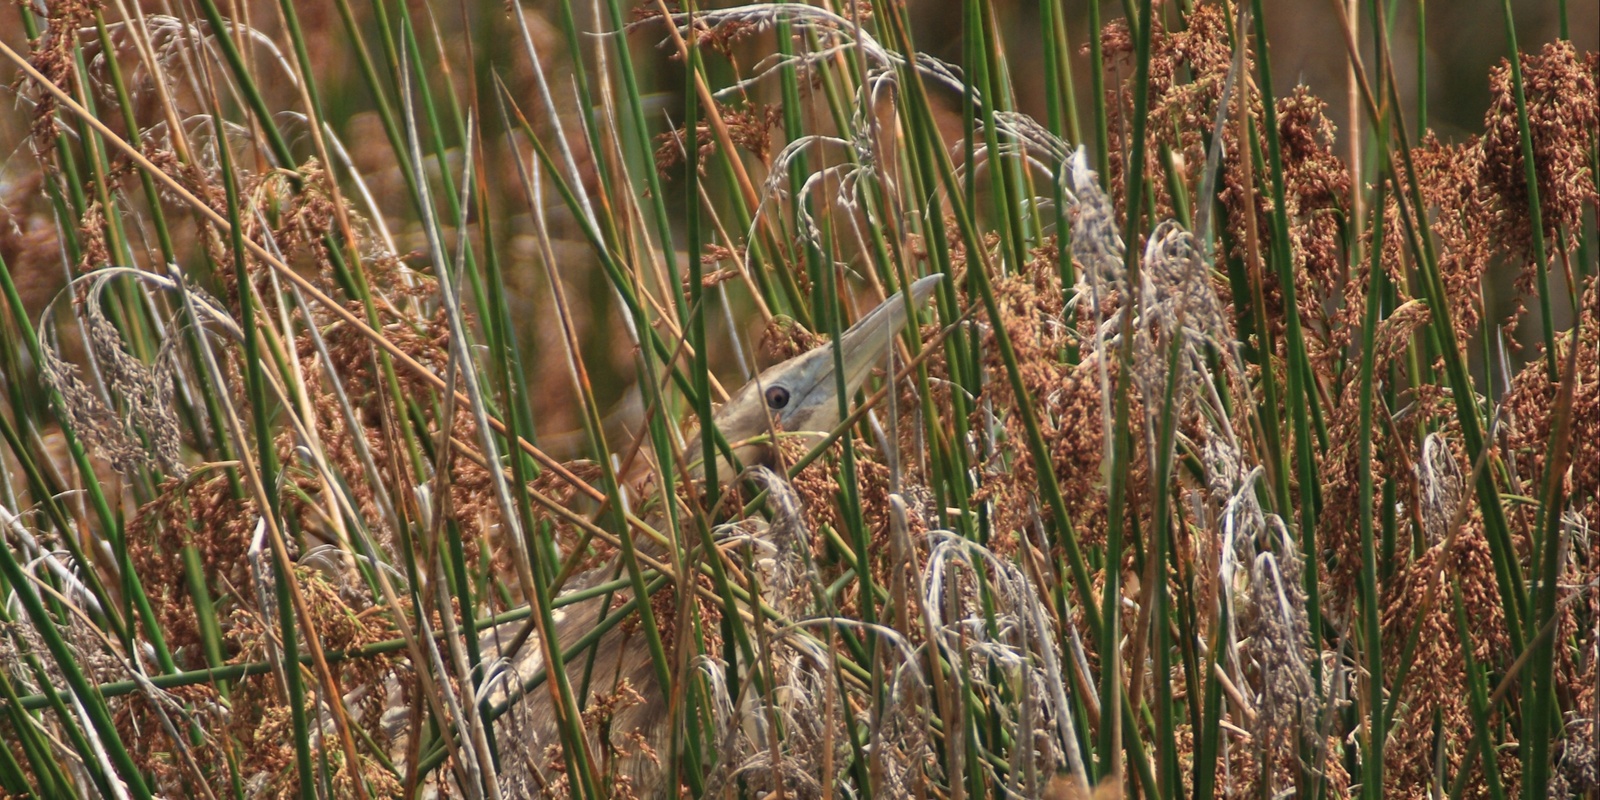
800 397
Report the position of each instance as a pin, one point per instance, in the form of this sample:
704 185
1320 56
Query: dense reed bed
1235 455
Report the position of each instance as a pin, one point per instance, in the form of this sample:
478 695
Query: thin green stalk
1372 761
637 129
1061 112
1111 695
1299 369
1061 93
1530 172
222 38
1167 745
266 459
1097 84
1478 703
1422 63
1007 211
1208 737
1541 716
1419 240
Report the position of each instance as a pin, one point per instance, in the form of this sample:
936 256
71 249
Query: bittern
798 397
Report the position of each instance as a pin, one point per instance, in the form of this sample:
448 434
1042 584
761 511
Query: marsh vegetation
354 360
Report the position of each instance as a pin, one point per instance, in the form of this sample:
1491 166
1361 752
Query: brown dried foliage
1188 71
1562 111
749 128
1067 399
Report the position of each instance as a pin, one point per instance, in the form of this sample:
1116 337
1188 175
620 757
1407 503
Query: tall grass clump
359 360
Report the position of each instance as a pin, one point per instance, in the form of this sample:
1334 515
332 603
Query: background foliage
1250 445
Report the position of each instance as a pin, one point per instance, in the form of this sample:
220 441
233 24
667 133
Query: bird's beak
807 385
867 343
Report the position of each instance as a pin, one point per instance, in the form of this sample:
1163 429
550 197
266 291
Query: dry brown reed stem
1253 258
1352 13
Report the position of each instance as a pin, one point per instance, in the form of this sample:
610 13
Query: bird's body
798 397
619 657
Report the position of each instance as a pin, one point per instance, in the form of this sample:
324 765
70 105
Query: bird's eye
777 397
